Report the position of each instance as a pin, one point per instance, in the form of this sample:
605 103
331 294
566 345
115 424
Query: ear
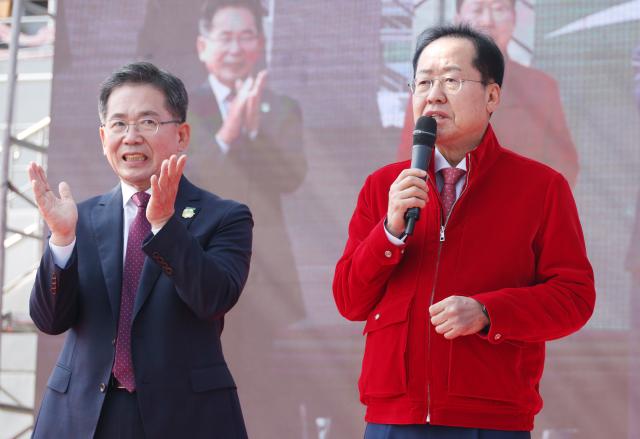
184 135
102 136
201 46
493 97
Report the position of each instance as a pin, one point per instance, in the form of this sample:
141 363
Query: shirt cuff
393 239
61 254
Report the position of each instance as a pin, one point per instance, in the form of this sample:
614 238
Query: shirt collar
220 90
128 191
441 162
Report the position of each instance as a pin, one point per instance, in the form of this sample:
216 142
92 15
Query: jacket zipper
443 225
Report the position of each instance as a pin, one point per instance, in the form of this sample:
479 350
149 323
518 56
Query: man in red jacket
457 315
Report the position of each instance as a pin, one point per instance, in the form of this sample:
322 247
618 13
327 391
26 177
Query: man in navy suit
248 146
143 361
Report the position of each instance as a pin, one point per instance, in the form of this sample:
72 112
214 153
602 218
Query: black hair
176 98
488 59
211 7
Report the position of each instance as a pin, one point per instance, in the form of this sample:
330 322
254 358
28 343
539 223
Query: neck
137 187
229 84
455 153
453 157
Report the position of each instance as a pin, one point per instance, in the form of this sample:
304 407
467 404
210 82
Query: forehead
447 54
230 19
136 99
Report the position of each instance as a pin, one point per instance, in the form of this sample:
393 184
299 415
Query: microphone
424 138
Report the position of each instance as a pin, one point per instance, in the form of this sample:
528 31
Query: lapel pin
189 212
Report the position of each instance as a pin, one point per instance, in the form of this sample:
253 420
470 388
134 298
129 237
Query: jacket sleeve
208 276
563 296
368 260
53 304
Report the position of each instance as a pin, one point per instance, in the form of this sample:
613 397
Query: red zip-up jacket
513 242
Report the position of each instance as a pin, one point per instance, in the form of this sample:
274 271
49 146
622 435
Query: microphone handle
413 215
421 156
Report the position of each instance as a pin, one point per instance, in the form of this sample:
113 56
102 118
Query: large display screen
334 110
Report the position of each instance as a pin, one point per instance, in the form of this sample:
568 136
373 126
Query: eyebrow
446 69
138 115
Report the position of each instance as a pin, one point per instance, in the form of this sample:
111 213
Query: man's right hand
60 214
407 191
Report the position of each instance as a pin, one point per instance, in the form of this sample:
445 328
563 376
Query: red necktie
139 229
448 192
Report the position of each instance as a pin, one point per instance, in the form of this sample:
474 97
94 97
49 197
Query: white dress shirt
221 93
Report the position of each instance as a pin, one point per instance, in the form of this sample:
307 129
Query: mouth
234 63
437 115
134 157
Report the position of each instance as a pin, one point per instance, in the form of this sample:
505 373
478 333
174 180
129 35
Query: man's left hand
456 316
164 189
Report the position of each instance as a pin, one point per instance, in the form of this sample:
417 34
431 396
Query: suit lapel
106 218
188 197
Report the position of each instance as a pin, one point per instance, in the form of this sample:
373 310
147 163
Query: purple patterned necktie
139 229
448 192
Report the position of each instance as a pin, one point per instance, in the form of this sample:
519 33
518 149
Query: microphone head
425 131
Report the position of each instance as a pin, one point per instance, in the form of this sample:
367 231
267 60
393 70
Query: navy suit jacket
195 269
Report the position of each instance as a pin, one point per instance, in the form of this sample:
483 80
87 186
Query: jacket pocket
384 372
59 379
212 378
479 369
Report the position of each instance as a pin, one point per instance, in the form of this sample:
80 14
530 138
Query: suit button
388 253
102 387
497 336
376 317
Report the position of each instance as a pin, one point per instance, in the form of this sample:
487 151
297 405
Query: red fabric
448 192
514 242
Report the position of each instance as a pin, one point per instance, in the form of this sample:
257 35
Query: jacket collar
480 159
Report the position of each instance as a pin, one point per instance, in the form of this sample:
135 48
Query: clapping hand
244 110
164 189
59 212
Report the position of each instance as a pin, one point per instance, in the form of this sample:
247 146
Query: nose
485 18
234 46
131 135
436 93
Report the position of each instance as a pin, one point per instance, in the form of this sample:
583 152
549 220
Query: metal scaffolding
15 146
